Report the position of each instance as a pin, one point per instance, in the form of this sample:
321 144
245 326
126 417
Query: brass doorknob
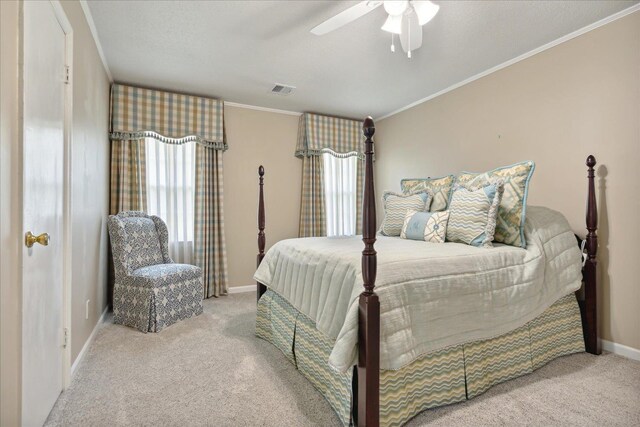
30 239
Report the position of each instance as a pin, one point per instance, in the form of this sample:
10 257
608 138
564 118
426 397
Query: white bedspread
431 295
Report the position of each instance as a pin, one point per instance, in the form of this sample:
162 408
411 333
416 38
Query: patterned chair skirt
158 296
439 378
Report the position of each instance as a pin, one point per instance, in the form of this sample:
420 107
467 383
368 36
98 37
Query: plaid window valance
317 133
173 118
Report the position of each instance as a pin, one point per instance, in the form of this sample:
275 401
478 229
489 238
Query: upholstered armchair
150 292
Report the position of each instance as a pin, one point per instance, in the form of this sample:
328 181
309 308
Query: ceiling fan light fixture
395 7
425 10
393 24
405 19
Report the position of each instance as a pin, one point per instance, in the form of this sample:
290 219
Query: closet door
43 196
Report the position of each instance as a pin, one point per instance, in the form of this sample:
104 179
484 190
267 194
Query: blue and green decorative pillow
396 206
428 226
513 206
473 212
439 188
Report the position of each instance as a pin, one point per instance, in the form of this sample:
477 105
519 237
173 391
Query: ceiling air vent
280 89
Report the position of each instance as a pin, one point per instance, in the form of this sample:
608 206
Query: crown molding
266 109
94 33
522 57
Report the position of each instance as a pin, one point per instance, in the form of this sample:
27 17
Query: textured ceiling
237 50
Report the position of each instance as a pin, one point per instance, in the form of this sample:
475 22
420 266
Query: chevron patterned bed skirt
439 378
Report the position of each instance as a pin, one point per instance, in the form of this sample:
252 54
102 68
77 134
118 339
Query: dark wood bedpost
261 238
590 271
369 306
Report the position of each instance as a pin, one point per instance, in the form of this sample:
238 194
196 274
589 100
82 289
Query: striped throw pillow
396 206
473 212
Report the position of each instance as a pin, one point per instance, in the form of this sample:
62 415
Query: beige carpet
211 370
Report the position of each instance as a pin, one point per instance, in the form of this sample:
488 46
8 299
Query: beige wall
89 193
10 218
89 180
581 97
258 138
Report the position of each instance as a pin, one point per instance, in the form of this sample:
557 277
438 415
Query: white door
43 187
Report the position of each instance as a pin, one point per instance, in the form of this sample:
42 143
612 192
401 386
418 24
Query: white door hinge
65 339
67 74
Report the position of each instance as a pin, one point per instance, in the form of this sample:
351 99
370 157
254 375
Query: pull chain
409 39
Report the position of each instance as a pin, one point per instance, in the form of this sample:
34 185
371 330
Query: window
170 193
340 176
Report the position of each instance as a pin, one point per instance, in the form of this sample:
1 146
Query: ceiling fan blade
344 17
425 10
411 35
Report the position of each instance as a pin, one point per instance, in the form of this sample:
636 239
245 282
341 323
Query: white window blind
170 193
340 175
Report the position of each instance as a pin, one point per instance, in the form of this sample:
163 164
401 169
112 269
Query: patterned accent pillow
513 208
428 226
396 207
472 214
440 188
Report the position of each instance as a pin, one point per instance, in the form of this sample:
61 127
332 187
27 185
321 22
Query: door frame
67 29
66 212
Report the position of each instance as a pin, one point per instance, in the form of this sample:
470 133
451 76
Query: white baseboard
242 289
621 350
87 343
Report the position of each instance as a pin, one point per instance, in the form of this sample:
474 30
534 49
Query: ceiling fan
406 18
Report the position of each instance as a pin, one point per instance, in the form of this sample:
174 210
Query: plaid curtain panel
128 187
210 249
315 134
128 177
312 215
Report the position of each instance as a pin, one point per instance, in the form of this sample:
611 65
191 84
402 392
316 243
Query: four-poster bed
365 382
